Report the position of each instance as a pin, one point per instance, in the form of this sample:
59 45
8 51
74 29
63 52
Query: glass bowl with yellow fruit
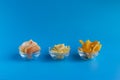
89 49
59 51
29 50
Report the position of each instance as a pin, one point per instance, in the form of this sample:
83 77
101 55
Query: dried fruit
29 47
60 49
90 48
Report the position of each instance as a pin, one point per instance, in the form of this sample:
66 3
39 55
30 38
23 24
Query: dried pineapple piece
61 49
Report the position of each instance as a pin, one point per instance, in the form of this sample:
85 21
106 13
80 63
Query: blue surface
49 22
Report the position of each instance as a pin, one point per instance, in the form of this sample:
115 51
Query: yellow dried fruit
60 49
90 47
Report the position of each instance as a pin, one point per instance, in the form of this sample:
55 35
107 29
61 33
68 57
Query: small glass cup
58 56
34 55
84 55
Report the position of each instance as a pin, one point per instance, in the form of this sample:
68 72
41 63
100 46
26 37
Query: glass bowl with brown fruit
29 50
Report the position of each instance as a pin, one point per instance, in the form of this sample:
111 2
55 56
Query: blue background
50 22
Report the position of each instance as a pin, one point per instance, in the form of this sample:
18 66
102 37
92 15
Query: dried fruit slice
90 48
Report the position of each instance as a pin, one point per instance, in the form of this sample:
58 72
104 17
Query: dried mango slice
81 41
97 48
90 47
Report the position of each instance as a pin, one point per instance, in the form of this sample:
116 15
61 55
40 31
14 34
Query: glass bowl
30 56
58 56
84 55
